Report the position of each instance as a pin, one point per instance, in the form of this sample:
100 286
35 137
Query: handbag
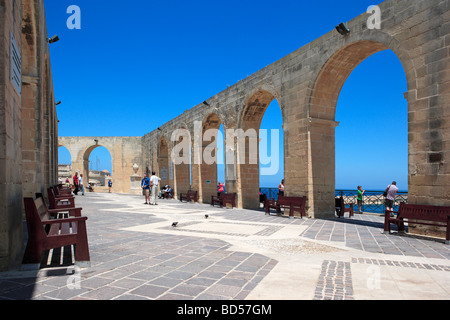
386 192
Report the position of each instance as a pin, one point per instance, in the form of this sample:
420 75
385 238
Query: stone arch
336 67
255 106
87 155
248 155
124 151
321 108
204 168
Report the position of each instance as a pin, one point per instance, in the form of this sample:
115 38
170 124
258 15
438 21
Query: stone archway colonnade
306 84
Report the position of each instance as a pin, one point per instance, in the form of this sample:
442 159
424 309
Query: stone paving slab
234 254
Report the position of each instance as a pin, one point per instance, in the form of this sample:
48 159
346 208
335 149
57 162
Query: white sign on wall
164 173
15 66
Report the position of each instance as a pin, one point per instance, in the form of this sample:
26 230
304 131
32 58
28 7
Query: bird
206 216
174 224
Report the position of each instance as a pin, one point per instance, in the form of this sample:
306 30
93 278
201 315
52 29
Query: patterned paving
335 281
195 261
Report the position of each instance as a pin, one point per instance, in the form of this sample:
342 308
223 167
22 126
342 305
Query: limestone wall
28 120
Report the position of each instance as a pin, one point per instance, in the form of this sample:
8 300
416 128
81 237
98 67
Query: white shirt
155 180
392 192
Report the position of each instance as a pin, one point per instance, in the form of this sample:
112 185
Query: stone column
321 167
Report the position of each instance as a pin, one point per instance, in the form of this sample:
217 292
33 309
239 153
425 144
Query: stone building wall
28 120
307 84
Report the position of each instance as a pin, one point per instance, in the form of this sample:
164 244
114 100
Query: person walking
109 185
359 198
391 193
154 182
75 183
80 181
145 185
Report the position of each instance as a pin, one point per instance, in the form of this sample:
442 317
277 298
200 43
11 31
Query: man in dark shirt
145 185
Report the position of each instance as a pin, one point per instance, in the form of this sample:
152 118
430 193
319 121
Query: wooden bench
45 232
189 196
223 199
294 204
419 214
61 190
61 202
341 208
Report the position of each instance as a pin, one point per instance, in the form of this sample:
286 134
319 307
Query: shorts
360 203
146 192
389 203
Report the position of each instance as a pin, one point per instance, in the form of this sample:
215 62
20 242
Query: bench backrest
295 201
339 203
51 196
192 193
36 211
42 209
423 212
229 196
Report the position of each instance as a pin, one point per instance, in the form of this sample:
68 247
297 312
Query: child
359 198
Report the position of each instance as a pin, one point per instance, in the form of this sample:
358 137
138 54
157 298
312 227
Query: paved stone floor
233 254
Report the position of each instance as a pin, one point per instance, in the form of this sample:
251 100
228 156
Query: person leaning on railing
391 193
359 198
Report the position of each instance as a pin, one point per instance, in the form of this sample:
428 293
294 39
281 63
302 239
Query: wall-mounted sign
15 66
164 173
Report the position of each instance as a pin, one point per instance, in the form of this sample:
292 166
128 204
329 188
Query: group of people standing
150 188
389 194
150 191
78 184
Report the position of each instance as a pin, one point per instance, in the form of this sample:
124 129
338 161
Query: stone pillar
321 184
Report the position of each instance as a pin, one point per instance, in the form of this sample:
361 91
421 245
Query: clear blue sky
135 65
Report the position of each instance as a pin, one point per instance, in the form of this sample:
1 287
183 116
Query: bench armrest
55 221
76 211
64 196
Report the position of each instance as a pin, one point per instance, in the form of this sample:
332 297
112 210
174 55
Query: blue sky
135 65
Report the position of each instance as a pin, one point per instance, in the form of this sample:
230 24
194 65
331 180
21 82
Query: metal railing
373 201
271 193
